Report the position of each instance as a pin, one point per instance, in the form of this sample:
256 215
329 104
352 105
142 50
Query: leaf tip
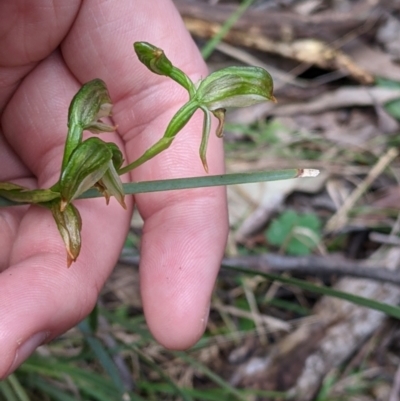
63 204
204 162
308 172
70 260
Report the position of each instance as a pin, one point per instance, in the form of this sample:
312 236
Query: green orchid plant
93 163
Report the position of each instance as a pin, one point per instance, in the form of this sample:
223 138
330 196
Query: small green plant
93 163
296 234
392 107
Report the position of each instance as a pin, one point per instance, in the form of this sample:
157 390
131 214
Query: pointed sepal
69 224
220 114
21 194
110 184
87 165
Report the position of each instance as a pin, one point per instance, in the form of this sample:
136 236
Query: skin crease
47 50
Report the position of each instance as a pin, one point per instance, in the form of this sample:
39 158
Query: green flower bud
93 163
156 61
87 165
235 87
91 103
153 58
69 225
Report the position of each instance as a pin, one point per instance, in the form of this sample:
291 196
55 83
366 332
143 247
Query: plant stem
196 182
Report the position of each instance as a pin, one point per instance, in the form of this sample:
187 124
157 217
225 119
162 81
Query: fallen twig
313 265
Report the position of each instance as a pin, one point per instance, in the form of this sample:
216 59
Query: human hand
47 50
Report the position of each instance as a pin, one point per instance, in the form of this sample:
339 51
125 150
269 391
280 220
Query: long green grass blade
212 43
18 389
178 391
131 324
210 394
212 376
210 181
6 392
197 182
390 310
102 355
100 388
56 394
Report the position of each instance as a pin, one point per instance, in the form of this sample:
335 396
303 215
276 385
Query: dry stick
394 394
254 311
269 323
384 239
338 220
313 265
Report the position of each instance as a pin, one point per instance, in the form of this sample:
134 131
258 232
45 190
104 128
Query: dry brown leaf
373 60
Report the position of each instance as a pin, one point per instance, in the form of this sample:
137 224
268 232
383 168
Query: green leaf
279 229
300 246
17 387
93 319
309 220
390 310
91 384
393 107
103 356
297 234
20 194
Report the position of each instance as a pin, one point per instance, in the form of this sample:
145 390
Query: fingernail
26 349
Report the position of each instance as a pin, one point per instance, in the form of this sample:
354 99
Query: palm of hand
40 71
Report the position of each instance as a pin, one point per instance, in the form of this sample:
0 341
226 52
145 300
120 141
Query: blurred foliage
296 234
